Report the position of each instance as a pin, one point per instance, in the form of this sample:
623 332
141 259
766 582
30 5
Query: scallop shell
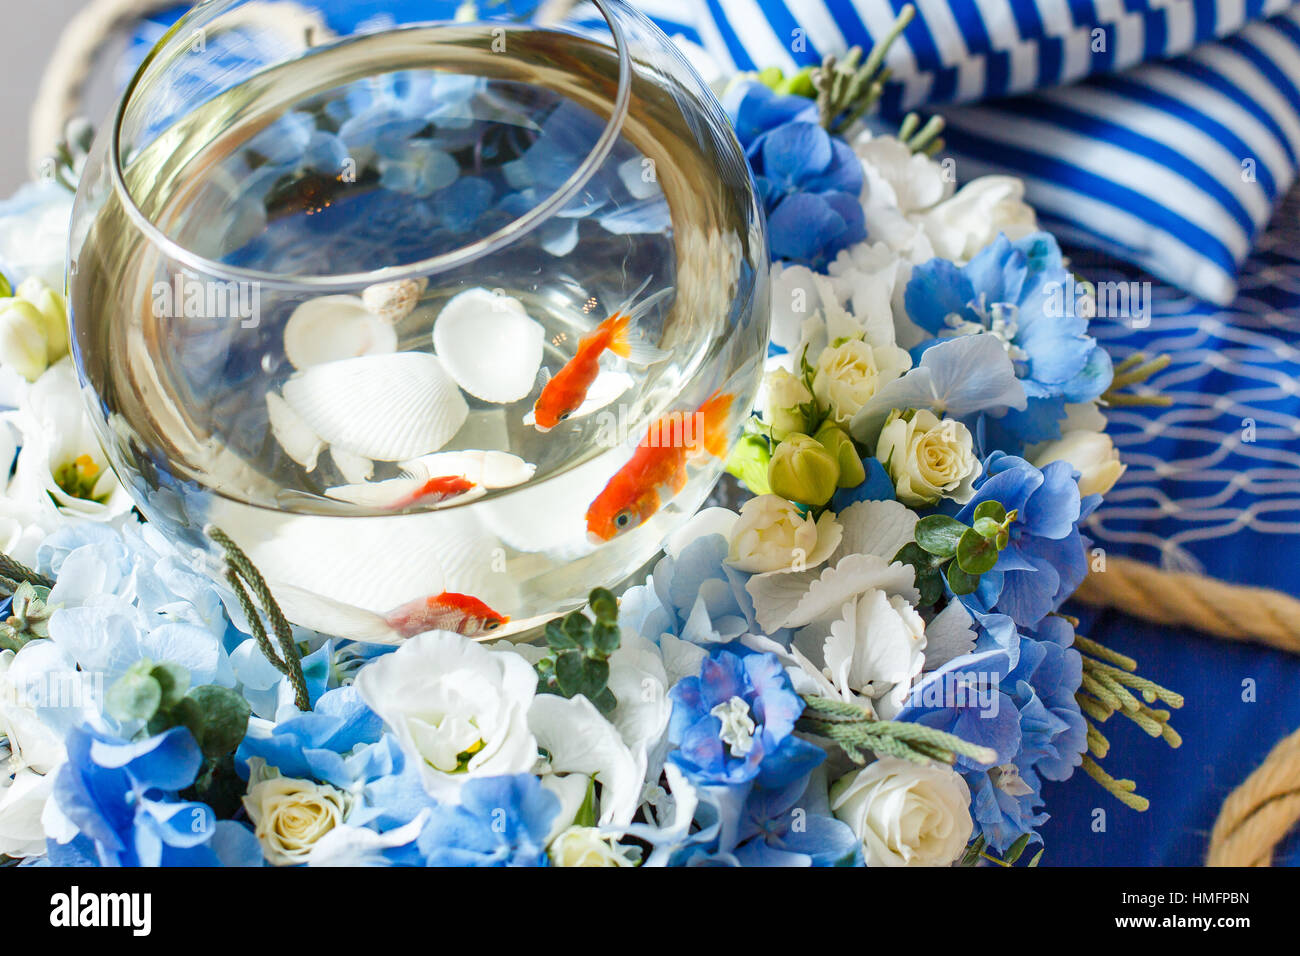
352 467
334 327
297 439
383 407
394 301
489 345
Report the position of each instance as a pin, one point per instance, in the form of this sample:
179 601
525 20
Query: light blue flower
122 797
500 821
810 184
755 109
965 697
330 743
1045 559
734 723
793 826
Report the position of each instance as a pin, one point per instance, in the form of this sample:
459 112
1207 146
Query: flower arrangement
867 664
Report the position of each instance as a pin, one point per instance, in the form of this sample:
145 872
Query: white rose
849 374
290 815
905 814
587 846
779 402
961 226
876 649
458 709
772 535
927 458
1091 454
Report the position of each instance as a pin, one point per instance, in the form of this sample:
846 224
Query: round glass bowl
442 322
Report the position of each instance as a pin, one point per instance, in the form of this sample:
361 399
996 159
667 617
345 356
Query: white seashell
491 469
383 407
352 467
394 301
489 345
335 327
297 439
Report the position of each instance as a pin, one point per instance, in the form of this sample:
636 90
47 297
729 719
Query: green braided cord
240 570
855 730
9 568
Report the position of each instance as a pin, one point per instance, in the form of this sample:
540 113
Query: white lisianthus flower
1091 454
961 226
61 459
34 232
905 814
910 182
927 458
587 846
848 374
34 750
876 649
780 402
458 709
772 535
290 815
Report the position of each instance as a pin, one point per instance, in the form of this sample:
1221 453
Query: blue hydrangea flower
121 797
965 697
500 821
772 833
876 486
1045 560
1046 679
328 743
734 723
696 596
755 109
810 184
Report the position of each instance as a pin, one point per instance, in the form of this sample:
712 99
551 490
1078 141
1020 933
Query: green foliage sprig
856 730
848 88
945 550
29 615
579 649
978 851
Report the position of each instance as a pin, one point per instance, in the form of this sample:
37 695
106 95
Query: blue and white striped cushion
960 50
1175 166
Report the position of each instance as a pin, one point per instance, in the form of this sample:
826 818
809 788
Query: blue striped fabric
959 50
1175 166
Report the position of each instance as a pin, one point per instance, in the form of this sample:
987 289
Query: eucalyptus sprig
579 651
945 550
850 87
856 731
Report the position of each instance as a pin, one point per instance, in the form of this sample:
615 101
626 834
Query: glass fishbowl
445 321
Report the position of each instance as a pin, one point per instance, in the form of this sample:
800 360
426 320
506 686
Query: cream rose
586 846
905 814
962 225
290 815
458 709
771 535
927 458
1091 454
849 374
780 402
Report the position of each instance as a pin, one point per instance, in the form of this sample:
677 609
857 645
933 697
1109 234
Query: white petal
876 527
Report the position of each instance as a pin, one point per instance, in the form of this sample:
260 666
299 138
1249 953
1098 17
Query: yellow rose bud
803 470
54 316
748 461
840 445
22 338
783 402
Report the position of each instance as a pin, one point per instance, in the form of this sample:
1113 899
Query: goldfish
447 611
567 389
657 469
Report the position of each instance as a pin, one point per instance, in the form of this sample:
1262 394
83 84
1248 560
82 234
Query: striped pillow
960 50
1174 166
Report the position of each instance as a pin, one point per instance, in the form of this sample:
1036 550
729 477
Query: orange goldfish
657 469
435 490
447 611
567 388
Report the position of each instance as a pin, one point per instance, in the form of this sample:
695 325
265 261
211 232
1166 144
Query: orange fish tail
616 329
713 417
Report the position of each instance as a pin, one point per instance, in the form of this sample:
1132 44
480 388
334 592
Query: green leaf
578 627
606 637
604 605
557 637
976 554
961 582
586 815
930 584
569 673
174 680
595 675
939 534
1017 848
1037 856
992 510
6 290
216 716
987 527
133 697
973 851
606 702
